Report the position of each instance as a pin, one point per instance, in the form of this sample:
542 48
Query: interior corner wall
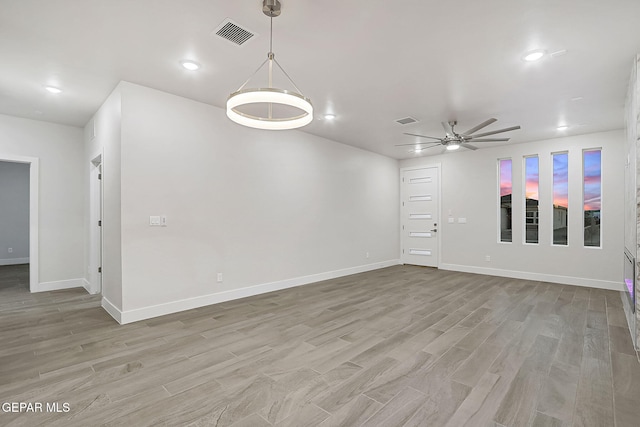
59 150
470 190
102 137
632 195
266 209
14 213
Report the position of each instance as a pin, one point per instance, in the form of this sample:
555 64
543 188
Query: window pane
505 200
592 196
560 198
531 199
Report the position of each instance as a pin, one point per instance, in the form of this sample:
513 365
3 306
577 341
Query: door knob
434 230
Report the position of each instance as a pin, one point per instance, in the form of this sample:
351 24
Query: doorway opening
33 166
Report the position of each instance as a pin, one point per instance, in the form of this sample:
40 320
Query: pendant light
270 107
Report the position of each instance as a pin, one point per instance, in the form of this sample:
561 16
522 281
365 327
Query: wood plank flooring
400 346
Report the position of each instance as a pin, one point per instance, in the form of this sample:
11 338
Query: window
592 195
560 198
505 189
531 218
531 184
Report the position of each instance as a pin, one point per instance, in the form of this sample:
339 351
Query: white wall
469 190
632 193
14 213
266 209
102 138
631 171
59 150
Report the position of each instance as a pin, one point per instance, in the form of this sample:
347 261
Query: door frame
438 166
96 249
34 173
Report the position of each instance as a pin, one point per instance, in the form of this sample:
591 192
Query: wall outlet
487 258
452 220
10 250
219 278
366 255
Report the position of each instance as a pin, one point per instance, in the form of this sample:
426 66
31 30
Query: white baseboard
112 310
58 285
130 316
92 289
565 280
14 261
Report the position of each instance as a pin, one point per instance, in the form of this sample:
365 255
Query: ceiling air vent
406 120
233 32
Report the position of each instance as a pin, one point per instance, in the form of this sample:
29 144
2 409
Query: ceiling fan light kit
243 103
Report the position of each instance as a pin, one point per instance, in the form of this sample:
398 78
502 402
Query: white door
419 216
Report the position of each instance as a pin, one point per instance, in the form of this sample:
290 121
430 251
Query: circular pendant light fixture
270 107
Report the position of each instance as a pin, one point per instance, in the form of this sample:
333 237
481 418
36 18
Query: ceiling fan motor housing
271 8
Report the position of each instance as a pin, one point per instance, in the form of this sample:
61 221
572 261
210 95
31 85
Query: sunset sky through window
561 179
531 177
505 177
592 180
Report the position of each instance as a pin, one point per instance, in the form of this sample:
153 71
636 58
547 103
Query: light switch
462 220
154 220
163 220
452 220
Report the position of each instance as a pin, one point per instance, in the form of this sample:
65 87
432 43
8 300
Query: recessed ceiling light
562 127
577 98
190 65
329 116
53 89
533 55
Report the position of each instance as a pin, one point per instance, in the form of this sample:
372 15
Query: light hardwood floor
401 346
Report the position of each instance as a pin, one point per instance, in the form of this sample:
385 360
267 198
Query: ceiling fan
453 140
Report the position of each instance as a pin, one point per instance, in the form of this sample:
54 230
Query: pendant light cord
271 37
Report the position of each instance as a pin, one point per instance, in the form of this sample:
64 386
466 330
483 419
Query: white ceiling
368 62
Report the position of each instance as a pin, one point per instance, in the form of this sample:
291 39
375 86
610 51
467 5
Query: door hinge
99 269
402 203
403 251
99 176
99 223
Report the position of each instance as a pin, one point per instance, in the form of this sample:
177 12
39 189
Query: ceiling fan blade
418 143
447 128
480 126
469 146
422 149
423 136
493 132
489 139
